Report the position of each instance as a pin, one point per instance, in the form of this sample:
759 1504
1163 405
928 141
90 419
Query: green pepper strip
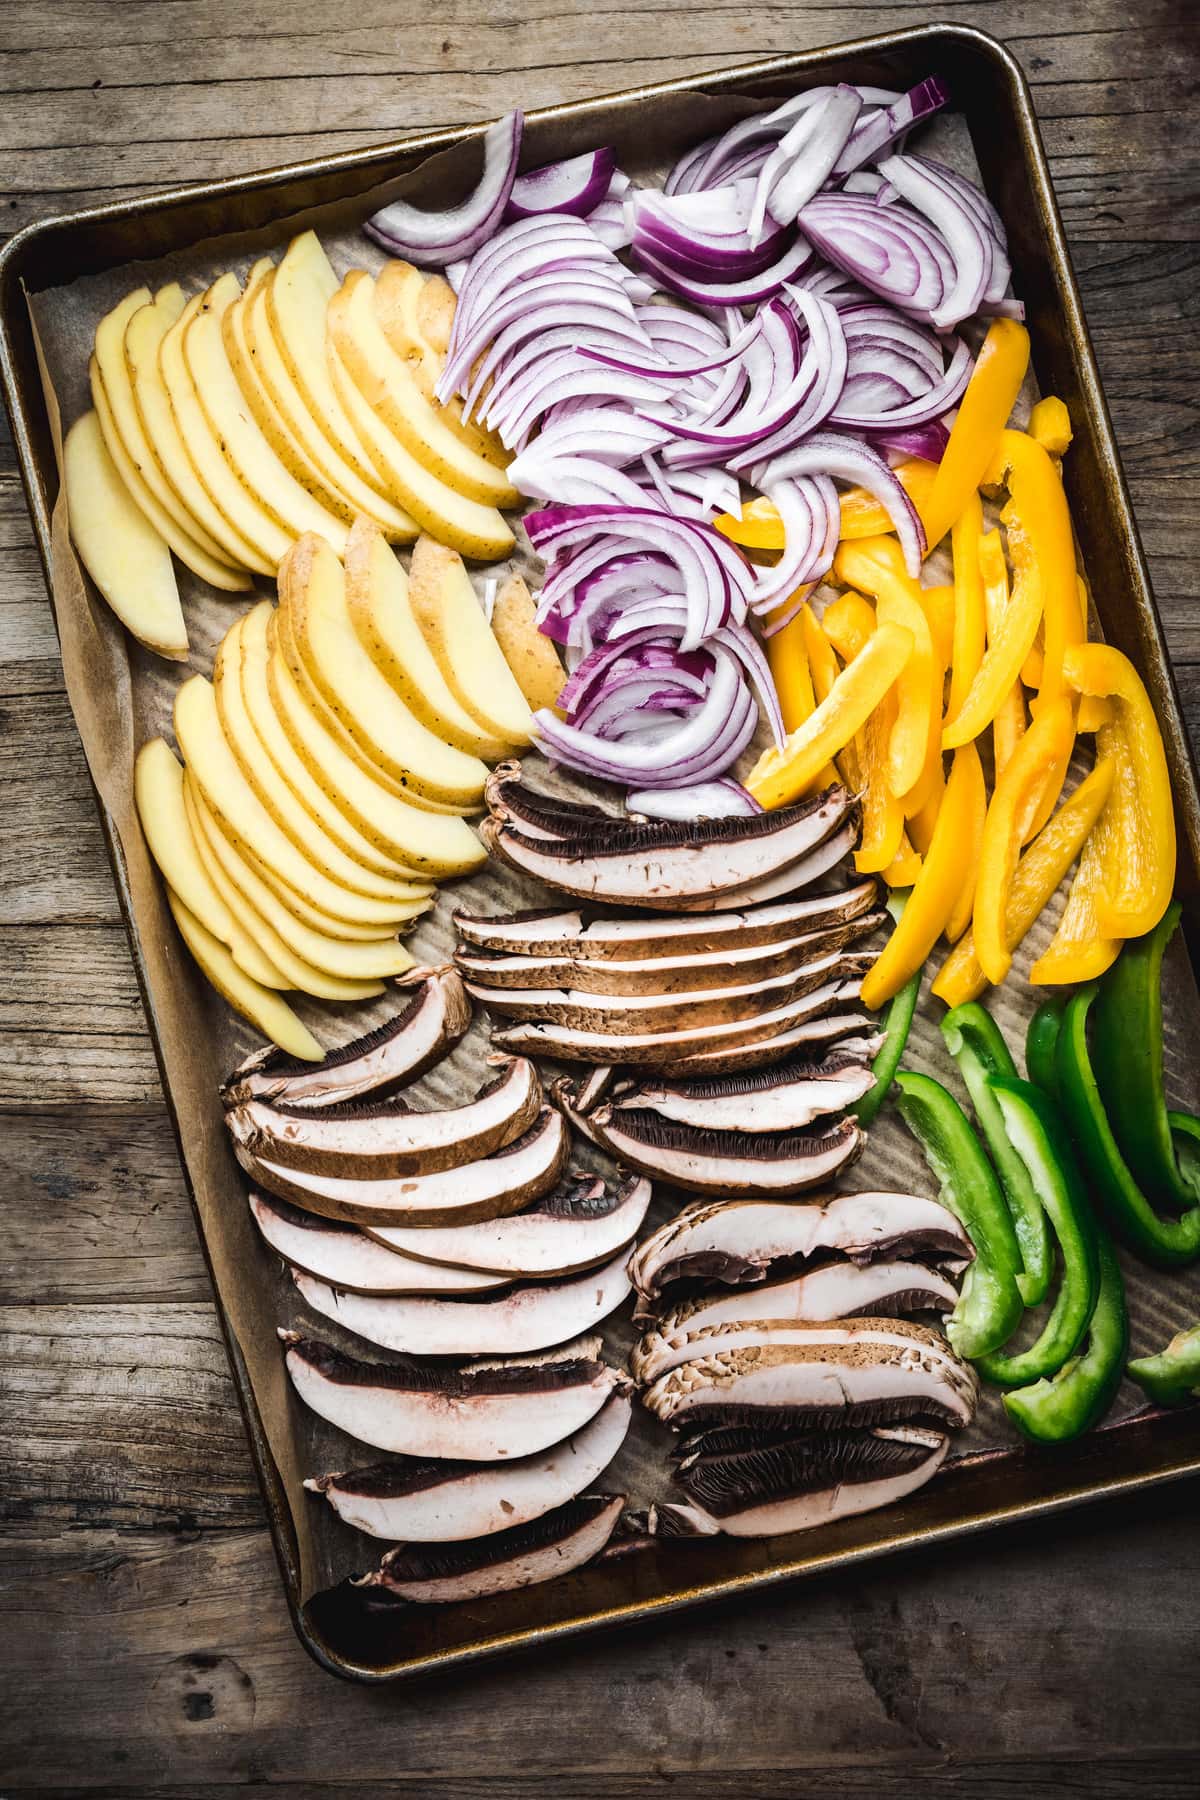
1128 1060
1040 1040
974 1041
1078 1397
900 1012
1174 1374
1167 1242
1036 1134
989 1304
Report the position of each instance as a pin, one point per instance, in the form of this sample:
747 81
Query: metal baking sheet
197 228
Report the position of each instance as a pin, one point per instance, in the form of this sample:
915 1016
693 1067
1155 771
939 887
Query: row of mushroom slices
437 1234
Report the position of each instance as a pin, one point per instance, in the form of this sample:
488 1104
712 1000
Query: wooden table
143 1637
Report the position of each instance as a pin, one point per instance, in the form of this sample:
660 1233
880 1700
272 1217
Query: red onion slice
432 239
803 160
847 459
722 799
576 186
971 245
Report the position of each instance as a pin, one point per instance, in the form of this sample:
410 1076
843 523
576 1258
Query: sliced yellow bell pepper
1139 863
922 822
939 610
1009 722
1093 711
1079 950
964 905
1051 732
937 887
982 415
970 611
781 776
823 671
849 624
1040 541
1050 424
761 528
787 658
1001 666
903 872
898 603
1039 872
1034 665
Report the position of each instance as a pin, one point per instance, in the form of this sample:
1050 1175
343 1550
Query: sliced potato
273 1016
451 619
378 602
529 653
314 588
388 385
406 313
126 558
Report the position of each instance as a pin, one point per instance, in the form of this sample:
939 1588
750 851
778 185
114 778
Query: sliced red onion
885 249
576 186
970 243
723 799
733 293
803 160
847 459
925 441
878 129
921 411
807 504
432 239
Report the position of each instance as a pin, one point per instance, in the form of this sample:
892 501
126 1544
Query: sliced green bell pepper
1167 1242
1174 1374
974 1041
1037 1136
1127 1055
989 1303
900 1012
1071 1402
1040 1040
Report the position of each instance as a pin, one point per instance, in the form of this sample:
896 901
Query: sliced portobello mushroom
347 1258
580 1224
520 1557
566 934
508 796
853 1033
497 1412
594 1087
376 1140
666 864
815 1377
740 1164
504 1183
782 1098
736 1242
525 1318
651 1049
432 1500
791 1482
433 1019
833 1290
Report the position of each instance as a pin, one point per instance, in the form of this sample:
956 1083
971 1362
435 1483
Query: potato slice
272 1015
144 333
404 310
378 603
310 838
126 558
387 384
314 586
529 653
159 794
451 619
243 511
241 442
328 955
299 974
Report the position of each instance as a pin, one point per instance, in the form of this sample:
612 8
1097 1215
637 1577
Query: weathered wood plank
47 803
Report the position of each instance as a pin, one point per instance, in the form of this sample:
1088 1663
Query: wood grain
146 1649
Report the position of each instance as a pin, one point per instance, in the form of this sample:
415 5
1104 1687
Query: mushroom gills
580 1224
740 1164
391 1056
415 1408
423 1500
347 1258
853 1033
782 1098
522 1556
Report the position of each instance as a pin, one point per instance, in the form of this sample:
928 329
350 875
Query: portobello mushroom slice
580 1224
550 933
665 864
414 1408
651 1049
853 1033
833 1290
782 1098
815 1377
504 1183
509 797
741 1164
427 1028
594 1087
347 1258
737 1242
520 1320
794 1482
522 1556
431 1500
379 1139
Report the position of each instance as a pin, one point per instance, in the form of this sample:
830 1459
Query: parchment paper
121 695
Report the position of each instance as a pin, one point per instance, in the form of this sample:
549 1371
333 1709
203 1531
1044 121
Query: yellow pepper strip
1038 874
1139 865
1008 646
781 776
970 612
1050 424
849 624
922 821
1033 668
862 515
787 658
759 528
1051 732
933 897
1009 722
1079 951
969 849
939 610
1093 711
982 415
898 603
903 872
823 671
1038 524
